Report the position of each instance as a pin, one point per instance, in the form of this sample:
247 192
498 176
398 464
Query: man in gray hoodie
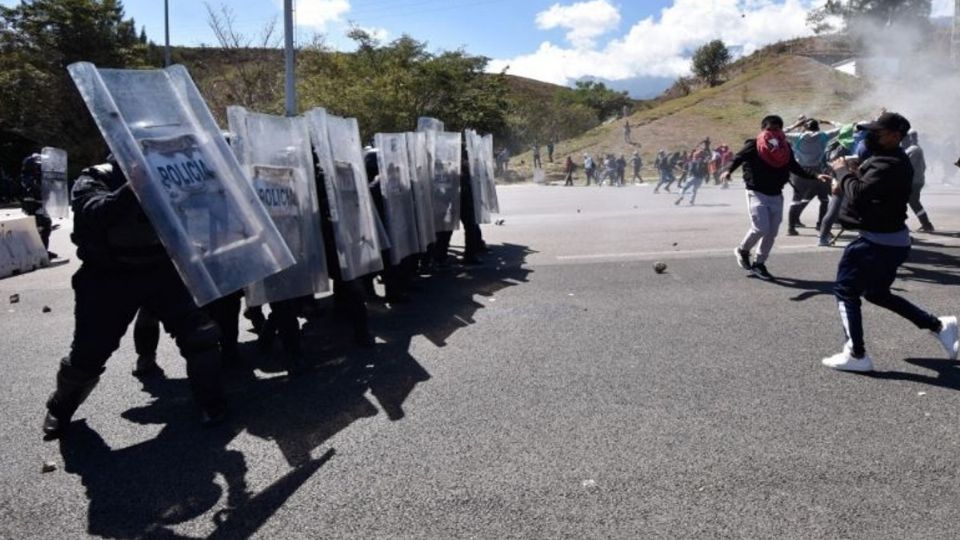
911 145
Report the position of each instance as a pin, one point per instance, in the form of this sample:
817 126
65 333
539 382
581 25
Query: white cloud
584 21
317 14
942 8
662 46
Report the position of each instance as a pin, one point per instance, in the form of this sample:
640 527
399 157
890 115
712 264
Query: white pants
766 213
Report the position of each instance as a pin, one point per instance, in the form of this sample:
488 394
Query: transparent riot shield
425 123
446 179
212 224
490 193
422 180
275 151
395 185
337 143
53 182
481 176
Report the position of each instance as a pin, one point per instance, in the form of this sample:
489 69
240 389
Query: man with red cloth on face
767 163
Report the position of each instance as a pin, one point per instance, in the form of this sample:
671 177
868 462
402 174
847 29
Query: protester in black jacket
767 163
875 203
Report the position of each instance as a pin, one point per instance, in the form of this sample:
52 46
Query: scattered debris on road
48 467
14 298
46 309
660 267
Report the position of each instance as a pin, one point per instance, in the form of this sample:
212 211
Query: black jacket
876 200
109 227
761 177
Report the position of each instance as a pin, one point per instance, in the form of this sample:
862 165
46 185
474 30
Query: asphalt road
562 390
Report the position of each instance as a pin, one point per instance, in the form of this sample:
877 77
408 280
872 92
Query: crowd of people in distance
606 169
689 169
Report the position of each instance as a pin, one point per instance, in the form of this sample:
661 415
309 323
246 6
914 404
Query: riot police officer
348 295
396 278
31 199
125 267
472 235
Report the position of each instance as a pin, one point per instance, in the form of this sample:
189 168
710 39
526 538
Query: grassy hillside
522 88
784 84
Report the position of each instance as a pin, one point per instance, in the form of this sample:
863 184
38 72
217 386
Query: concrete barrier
20 247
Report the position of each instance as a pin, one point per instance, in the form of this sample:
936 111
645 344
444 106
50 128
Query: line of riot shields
248 214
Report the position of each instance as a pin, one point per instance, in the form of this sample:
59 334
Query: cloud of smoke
910 71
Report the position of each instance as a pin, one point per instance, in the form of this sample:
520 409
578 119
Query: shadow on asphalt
931 265
809 288
180 475
924 265
947 373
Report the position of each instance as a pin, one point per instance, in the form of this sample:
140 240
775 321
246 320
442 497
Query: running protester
767 163
843 144
697 172
875 203
809 147
665 164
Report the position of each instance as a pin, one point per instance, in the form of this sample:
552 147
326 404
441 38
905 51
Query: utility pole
955 38
290 85
166 31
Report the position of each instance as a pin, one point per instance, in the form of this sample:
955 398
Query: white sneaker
948 336
844 361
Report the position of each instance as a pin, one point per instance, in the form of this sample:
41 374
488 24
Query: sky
636 45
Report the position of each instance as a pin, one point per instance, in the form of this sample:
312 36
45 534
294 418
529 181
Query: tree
388 86
38 40
249 75
710 60
605 102
877 12
539 121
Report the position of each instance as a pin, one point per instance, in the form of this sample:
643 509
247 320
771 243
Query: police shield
275 151
421 178
190 185
337 142
395 185
53 182
425 123
480 155
446 179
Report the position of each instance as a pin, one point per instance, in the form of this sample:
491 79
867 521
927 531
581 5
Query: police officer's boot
147 366
361 325
291 351
203 372
73 387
